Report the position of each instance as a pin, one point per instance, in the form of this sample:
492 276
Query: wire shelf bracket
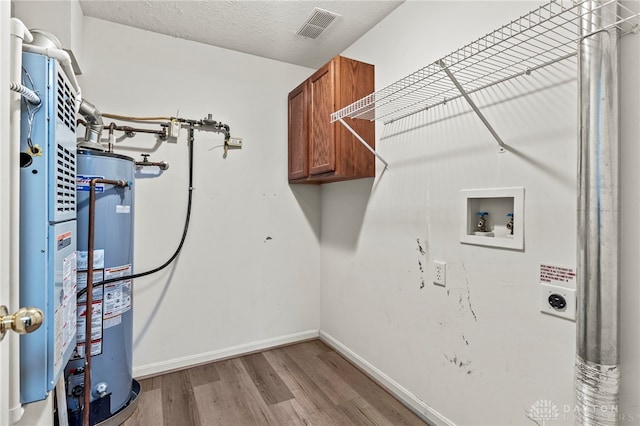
546 35
473 105
363 142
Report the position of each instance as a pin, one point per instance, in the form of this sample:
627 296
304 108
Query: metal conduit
31 96
597 373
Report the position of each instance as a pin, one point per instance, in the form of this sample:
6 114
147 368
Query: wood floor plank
232 400
201 374
149 410
311 398
305 384
320 346
377 397
362 413
266 380
308 359
178 401
255 402
291 413
221 402
151 383
216 406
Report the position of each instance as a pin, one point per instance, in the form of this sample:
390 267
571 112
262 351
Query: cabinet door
298 133
322 151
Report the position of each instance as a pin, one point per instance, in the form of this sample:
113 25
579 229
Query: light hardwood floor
302 384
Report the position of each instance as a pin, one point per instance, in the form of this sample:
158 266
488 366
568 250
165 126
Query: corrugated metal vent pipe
597 372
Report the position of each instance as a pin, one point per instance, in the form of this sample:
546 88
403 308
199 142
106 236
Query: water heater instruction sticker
98 260
82 278
97 295
117 271
96 349
117 296
66 312
96 328
112 322
123 209
558 275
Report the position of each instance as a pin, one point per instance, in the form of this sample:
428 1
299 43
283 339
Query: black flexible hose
184 232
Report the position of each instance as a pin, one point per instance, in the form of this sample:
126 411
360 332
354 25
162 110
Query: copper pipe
128 118
89 302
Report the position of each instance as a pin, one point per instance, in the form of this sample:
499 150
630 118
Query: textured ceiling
263 28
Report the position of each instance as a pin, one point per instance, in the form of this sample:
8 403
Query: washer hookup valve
510 223
482 221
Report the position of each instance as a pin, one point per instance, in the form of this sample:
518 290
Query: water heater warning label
96 328
63 240
557 275
98 260
117 296
66 311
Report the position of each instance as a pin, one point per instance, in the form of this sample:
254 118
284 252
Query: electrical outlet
558 301
439 273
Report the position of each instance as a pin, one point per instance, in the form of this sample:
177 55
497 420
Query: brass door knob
25 320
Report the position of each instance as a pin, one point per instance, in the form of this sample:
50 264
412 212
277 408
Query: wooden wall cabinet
321 151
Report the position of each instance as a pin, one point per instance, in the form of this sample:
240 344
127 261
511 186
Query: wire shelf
544 36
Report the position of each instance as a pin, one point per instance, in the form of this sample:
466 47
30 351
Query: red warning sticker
63 240
557 275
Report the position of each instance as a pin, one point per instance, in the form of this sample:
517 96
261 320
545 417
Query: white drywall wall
63 19
478 352
248 275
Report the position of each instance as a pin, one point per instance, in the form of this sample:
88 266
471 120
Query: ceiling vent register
316 23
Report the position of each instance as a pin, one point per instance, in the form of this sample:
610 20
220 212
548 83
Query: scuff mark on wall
267 239
466 278
458 362
422 253
466 342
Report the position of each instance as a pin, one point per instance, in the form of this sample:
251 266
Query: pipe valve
510 223
481 225
163 165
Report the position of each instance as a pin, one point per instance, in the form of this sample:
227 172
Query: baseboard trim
422 410
153 369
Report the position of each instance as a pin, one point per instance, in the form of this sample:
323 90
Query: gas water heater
112 385
47 224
